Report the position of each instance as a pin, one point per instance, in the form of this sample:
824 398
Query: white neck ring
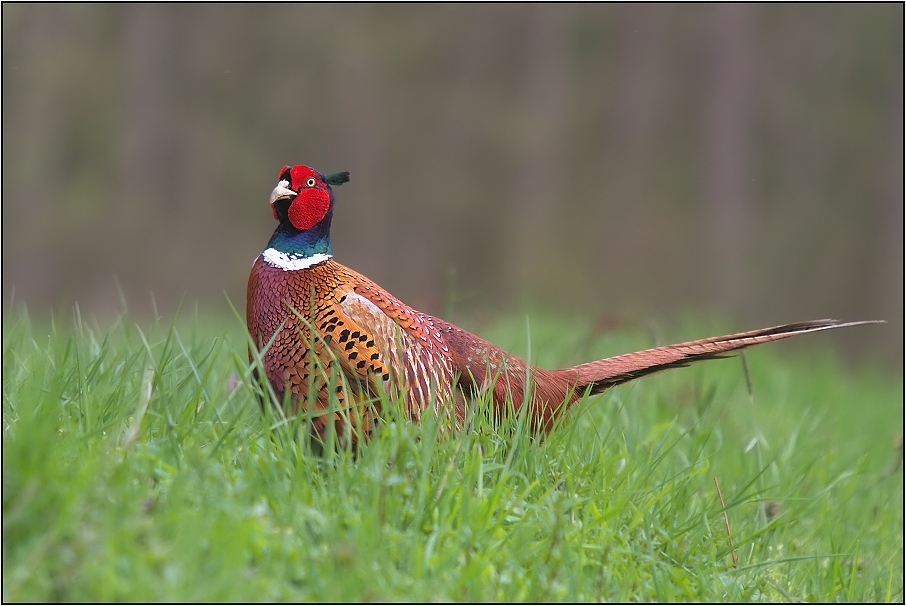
291 262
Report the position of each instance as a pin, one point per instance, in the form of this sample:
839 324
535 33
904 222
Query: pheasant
323 329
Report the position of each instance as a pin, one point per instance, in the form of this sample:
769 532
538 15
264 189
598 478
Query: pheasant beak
282 191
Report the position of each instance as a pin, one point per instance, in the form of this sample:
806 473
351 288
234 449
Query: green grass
137 466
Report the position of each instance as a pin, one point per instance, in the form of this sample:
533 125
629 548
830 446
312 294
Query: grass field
137 466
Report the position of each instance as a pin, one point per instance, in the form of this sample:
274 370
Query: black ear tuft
336 178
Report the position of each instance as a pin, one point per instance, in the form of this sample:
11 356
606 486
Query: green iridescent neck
290 241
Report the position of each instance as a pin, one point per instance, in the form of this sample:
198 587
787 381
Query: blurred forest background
625 162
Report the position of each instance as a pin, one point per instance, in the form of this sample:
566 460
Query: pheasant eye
310 182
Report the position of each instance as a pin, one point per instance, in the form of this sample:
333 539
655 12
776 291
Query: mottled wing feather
354 344
417 366
421 326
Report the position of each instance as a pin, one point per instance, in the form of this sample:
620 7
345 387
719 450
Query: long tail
603 374
483 364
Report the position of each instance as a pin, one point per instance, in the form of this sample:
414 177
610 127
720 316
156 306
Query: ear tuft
337 178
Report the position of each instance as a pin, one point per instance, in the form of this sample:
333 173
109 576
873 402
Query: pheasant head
303 204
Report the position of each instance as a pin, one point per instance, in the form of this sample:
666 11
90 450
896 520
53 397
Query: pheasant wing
411 360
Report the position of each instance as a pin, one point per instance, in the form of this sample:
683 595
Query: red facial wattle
309 207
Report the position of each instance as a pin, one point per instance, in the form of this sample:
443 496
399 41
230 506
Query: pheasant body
320 312
322 328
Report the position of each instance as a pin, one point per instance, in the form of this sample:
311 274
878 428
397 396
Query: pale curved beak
282 191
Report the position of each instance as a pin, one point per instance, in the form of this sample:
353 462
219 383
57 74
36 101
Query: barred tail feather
603 374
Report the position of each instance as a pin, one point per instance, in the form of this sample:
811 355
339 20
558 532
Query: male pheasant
322 328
